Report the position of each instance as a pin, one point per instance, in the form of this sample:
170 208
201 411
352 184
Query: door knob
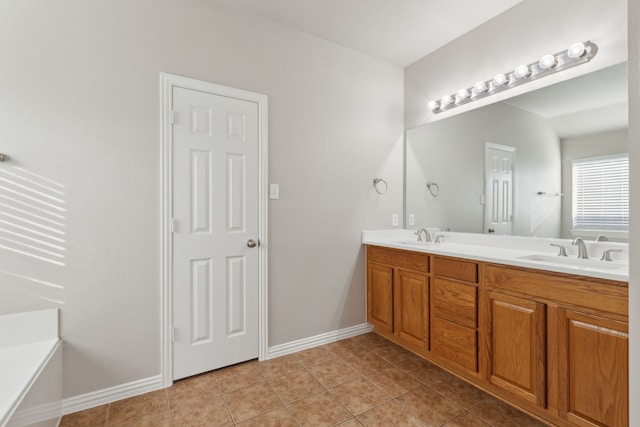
251 243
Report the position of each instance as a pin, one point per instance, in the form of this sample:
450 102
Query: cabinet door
517 337
593 369
411 307
380 296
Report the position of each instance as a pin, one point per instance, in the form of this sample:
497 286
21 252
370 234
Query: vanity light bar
576 54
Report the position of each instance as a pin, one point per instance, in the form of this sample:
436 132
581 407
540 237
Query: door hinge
172 117
172 225
173 334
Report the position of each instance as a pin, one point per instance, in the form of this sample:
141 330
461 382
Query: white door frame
167 83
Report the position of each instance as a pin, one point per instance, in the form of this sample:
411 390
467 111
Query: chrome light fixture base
564 60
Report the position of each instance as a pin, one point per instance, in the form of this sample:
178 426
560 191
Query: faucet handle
562 251
419 234
606 255
439 238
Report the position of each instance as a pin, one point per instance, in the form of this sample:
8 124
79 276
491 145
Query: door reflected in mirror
547 130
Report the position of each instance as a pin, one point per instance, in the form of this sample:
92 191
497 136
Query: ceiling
396 31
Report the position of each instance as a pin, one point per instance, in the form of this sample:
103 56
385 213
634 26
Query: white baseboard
111 394
135 388
317 340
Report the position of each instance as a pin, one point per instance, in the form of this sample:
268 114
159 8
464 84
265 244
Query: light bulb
547 61
432 105
500 80
521 72
480 87
445 101
576 50
461 95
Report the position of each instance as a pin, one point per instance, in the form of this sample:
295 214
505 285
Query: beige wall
79 107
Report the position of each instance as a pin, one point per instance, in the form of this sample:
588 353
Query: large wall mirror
514 160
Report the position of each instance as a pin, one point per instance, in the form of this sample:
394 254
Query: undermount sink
574 262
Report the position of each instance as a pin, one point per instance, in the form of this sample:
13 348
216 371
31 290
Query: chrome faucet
601 238
582 249
427 236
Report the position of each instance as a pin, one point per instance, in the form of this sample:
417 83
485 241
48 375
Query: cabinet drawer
406 260
455 343
456 269
455 301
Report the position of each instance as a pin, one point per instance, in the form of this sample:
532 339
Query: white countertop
509 250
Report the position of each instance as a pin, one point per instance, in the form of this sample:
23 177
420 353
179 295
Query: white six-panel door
498 209
216 219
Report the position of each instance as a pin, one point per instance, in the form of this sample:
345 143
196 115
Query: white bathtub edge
7 416
29 326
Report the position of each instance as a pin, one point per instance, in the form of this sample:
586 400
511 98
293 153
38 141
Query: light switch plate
394 220
412 219
274 191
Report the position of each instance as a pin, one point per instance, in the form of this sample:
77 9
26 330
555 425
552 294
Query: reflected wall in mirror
547 129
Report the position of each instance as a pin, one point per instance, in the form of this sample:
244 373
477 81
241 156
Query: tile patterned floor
361 381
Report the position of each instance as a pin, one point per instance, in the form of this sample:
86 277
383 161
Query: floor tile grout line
226 405
283 404
106 418
397 401
339 401
168 407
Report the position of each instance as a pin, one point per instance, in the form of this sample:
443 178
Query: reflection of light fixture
576 54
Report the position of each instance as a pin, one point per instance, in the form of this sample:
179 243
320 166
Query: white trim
317 340
167 83
616 234
111 394
48 411
501 147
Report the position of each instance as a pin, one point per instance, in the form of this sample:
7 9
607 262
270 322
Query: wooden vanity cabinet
555 345
454 311
398 295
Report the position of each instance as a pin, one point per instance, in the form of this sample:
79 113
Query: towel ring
376 185
433 188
